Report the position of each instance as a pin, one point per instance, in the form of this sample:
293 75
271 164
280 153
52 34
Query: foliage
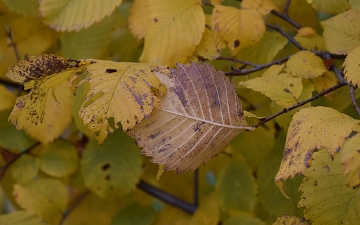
276 98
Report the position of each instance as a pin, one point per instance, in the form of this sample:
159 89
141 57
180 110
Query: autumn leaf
20 217
26 8
351 160
230 23
305 64
313 128
138 18
198 117
352 67
309 39
262 6
64 15
7 98
325 81
119 94
326 198
330 6
287 220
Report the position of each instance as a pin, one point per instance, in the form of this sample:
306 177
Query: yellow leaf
216 2
23 7
352 66
63 15
283 88
287 220
121 94
251 115
341 32
262 6
325 81
351 160
196 119
7 98
330 6
138 18
309 39
355 4
173 30
273 70
313 128
20 218
208 212
305 64
210 44
231 23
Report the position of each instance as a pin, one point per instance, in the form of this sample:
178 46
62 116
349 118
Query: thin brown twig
283 33
353 99
76 203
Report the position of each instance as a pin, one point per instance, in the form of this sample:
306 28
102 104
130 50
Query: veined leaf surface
197 118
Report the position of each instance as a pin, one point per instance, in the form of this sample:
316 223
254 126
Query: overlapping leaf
351 160
7 98
63 15
309 39
287 220
138 18
313 128
120 94
25 169
305 64
283 88
325 81
231 22
355 4
326 198
20 218
330 6
262 6
244 220
26 8
172 25
198 117
352 66
341 32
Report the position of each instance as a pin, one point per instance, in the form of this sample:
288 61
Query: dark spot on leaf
111 188
291 85
107 177
286 90
315 183
198 126
162 150
327 168
110 70
156 20
236 43
106 166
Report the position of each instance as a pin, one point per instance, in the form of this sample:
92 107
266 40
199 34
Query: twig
285 15
331 89
172 200
353 99
282 32
196 188
76 203
237 61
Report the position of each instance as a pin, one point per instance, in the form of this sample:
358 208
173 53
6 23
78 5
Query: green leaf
47 198
244 220
23 7
88 43
236 187
114 167
134 215
59 159
63 15
20 218
25 169
326 198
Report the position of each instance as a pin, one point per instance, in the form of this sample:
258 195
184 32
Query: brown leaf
197 118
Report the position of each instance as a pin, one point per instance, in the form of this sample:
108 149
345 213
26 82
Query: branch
285 15
172 200
331 89
196 187
353 99
282 32
76 203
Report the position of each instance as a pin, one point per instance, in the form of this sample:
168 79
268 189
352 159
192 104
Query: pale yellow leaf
287 220
210 44
273 70
173 30
138 18
305 32
330 6
351 160
7 98
283 88
231 23
341 32
309 39
352 66
197 118
305 64
120 94
313 128
262 6
251 115
325 81
68 15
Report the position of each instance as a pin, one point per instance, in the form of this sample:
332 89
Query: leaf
134 215
113 168
244 220
20 218
326 198
59 159
208 212
313 128
7 98
123 93
352 67
309 39
236 187
230 23
25 169
23 7
169 21
210 44
138 18
273 70
341 32
355 4
197 118
283 88
97 38
305 64
10 137
63 15
351 160
330 6
325 81
262 6
287 220
47 198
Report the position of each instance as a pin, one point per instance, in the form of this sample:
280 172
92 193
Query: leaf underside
197 118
